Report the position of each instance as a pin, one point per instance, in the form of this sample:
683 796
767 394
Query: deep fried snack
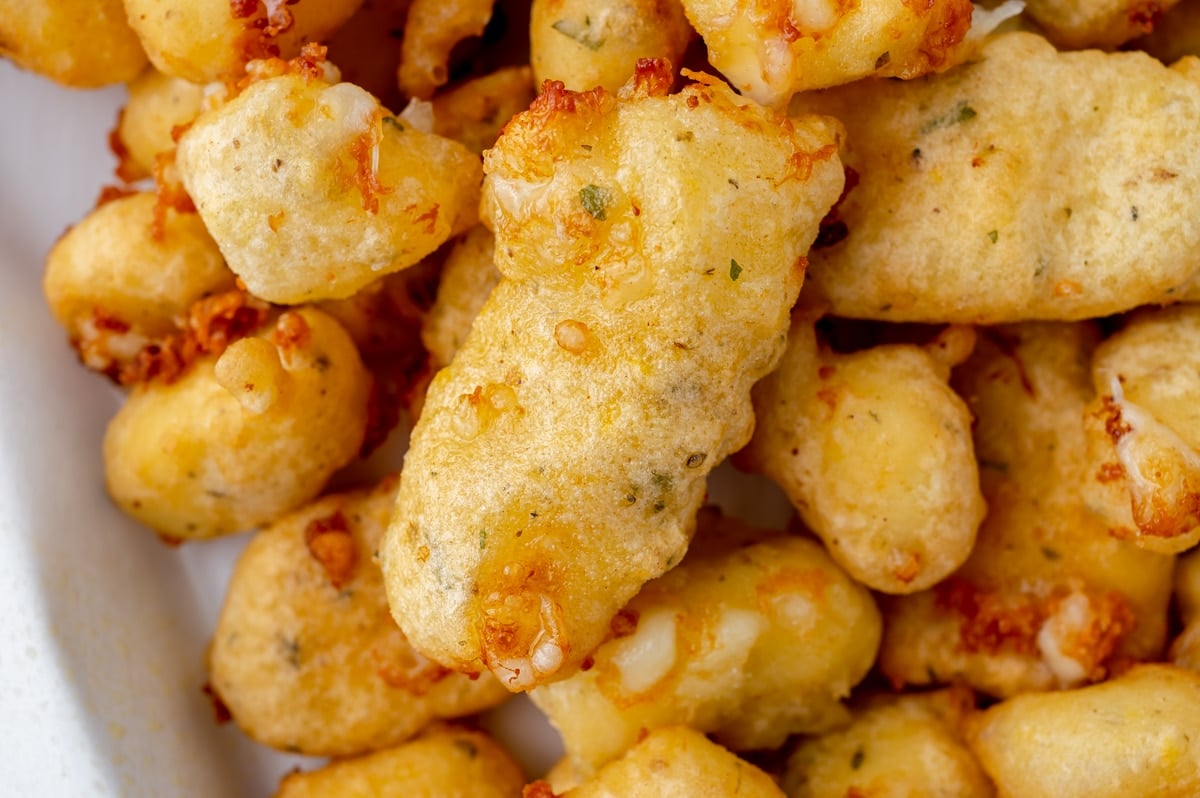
314 190
468 277
206 40
874 450
1047 599
306 656
1175 35
1144 430
158 106
1103 24
116 288
1185 650
1024 185
771 50
80 43
443 763
589 43
908 746
750 641
1138 734
561 458
241 439
474 112
674 762
431 30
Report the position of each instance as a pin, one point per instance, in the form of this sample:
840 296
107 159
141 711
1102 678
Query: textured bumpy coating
874 450
754 637
306 656
313 190
1047 599
651 248
1029 184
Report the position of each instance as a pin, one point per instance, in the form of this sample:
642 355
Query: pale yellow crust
445 763
306 656
1138 734
751 640
468 277
1024 185
589 43
1047 599
158 105
203 40
874 450
560 459
313 190
1103 24
241 439
675 762
772 49
908 746
1143 430
78 43
474 112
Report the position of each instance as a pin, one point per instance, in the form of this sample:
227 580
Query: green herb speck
482 539
394 122
857 759
595 201
735 271
1050 554
961 112
994 235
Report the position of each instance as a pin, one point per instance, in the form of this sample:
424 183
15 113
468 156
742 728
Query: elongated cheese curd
1024 185
560 459
431 30
443 763
474 112
1104 24
1047 599
240 439
205 40
874 450
313 190
306 656
468 278
78 43
589 43
115 287
1144 430
675 762
1138 734
750 641
771 49
908 746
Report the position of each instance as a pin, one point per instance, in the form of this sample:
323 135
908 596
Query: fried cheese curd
78 43
672 762
874 450
1104 24
240 439
442 763
1185 650
905 746
116 287
588 43
468 278
312 190
431 31
1138 734
306 656
770 49
1028 184
559 461
207 40
473 112
753 637
158 105
1047 599
1144 430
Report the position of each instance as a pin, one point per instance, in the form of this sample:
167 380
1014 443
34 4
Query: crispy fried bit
584 194
221 712
329 541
